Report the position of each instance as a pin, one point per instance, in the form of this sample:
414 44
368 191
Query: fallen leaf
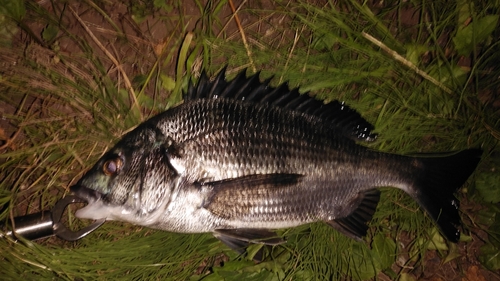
473 274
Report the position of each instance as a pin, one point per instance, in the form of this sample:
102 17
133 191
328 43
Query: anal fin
355 225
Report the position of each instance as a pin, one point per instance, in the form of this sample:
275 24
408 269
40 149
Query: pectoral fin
235 198
355 225
253 181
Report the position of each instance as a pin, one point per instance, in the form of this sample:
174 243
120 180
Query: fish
241 159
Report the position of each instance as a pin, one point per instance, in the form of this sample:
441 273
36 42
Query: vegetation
76 75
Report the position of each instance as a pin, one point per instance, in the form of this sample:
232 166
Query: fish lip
87 194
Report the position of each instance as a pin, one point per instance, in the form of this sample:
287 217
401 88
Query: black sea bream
241 158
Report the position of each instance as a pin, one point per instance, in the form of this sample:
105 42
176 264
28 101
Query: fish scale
229 144
290 204
241 158
235 128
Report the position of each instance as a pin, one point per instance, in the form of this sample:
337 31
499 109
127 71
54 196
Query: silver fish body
313 175
241 158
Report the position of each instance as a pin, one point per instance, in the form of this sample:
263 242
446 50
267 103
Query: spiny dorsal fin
355 225
250 89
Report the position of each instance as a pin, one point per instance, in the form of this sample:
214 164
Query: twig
9 141
406 62
31 262
295 41
242 32
495 133
128 84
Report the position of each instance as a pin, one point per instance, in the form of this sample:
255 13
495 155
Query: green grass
68 97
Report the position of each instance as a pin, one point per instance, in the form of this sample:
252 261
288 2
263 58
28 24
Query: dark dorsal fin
250 89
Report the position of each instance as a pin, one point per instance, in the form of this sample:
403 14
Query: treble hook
48 223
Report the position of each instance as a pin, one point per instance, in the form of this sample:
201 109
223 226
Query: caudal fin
441 177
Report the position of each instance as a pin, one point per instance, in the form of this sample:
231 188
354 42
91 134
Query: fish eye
112 166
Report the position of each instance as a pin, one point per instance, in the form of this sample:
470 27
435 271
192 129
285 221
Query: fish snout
85 193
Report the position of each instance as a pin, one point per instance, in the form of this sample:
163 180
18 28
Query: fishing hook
48 223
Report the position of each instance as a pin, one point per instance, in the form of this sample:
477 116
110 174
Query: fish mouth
87 194
96 208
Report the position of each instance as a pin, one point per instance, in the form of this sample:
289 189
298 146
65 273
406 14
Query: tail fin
440 178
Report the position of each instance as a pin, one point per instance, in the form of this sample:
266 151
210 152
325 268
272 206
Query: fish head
132 182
